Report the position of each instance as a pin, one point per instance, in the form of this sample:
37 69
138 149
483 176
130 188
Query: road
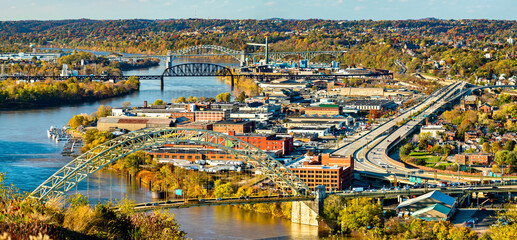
368 150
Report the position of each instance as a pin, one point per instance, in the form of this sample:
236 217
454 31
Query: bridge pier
307 212
161 83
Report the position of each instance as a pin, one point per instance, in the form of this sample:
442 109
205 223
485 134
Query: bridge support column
161 83
307 212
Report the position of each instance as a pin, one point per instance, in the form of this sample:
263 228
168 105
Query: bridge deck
215 202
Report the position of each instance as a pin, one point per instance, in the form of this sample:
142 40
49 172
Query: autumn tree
103 111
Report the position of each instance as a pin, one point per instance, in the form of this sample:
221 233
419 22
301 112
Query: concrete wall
307 212
303 213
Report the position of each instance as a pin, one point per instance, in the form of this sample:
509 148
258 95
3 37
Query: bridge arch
194 50
197 70
66 178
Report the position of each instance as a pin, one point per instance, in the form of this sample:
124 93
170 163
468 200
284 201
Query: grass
413 154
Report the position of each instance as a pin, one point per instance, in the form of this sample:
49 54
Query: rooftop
436 195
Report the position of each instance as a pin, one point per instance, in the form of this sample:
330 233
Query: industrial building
432 206
113 123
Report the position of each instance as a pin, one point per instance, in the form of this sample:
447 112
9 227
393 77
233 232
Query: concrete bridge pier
307 212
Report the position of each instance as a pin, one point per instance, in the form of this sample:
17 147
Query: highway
368 149
495 188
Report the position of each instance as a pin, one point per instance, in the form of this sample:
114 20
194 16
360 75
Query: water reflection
28 158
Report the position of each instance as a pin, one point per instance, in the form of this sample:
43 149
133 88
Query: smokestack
145 104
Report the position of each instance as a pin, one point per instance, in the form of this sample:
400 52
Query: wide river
28 157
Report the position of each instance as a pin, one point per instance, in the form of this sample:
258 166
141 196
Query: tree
223 97
360 212
406 149
76 121
496 146
422 145
126 105
509 145
446 150
241 97
158 102
222 189
485 147
511 158
190 99
103 111
181 99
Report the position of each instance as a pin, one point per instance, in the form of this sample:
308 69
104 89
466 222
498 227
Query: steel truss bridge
194 202
238 55
201 70
68 177
196 70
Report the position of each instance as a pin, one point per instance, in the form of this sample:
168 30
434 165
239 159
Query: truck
357 189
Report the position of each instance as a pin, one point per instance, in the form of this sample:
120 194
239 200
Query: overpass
371 151
363 145
492 188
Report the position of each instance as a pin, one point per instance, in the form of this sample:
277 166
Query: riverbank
15 95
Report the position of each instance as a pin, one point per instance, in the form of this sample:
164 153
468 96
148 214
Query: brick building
475 158
234 126
324 109
267 142
279 146
335 172
189 115
332 177
212 115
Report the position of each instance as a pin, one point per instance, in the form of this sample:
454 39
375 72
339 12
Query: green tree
446 150
223 97
360 213
511 158
496 146
158 102
241 97
181 99
509 145
222 189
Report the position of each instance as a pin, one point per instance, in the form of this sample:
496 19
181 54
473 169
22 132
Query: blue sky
258 9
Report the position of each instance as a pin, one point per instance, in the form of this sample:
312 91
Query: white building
260 117
320 131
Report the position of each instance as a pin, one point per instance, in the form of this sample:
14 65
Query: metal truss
196 69
207 50
67 178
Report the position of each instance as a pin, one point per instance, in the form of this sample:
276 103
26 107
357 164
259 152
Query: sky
257 9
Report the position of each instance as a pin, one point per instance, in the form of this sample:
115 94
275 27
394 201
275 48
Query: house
469 103
486 108
471 136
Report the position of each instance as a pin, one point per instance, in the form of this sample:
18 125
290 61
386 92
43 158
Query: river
28 158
